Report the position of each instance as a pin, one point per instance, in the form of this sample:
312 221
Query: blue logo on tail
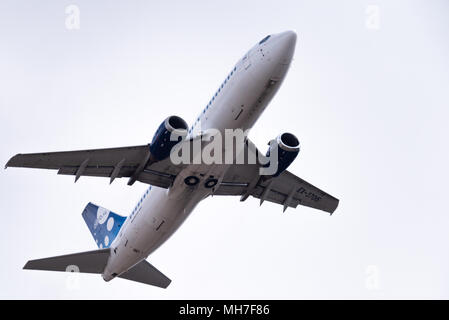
103 224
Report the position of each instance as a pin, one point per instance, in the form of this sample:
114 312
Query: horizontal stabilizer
85 262
144 272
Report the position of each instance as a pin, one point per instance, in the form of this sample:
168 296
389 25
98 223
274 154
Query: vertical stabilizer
103 224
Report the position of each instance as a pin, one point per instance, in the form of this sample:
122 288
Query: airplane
124 243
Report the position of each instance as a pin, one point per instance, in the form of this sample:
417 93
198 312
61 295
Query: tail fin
103 224
86 262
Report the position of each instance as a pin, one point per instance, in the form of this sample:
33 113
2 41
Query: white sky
370 107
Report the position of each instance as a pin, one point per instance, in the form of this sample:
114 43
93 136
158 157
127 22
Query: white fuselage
238 103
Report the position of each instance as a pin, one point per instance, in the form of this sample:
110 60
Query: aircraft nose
286 44
289 36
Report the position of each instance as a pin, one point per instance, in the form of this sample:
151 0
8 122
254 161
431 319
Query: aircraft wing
112 163
286 189
133 162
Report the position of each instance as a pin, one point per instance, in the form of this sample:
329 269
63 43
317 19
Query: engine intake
287 147
161 145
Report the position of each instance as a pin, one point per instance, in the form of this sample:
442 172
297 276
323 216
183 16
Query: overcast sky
367 95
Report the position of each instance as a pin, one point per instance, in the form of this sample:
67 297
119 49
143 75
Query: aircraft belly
164 211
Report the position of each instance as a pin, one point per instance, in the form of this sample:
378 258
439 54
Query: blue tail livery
103 224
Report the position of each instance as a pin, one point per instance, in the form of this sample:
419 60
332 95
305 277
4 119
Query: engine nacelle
287 147
161 145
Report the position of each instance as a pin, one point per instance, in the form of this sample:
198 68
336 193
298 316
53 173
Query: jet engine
170 132
286 146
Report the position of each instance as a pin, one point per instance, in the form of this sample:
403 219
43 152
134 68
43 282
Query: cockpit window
264 39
